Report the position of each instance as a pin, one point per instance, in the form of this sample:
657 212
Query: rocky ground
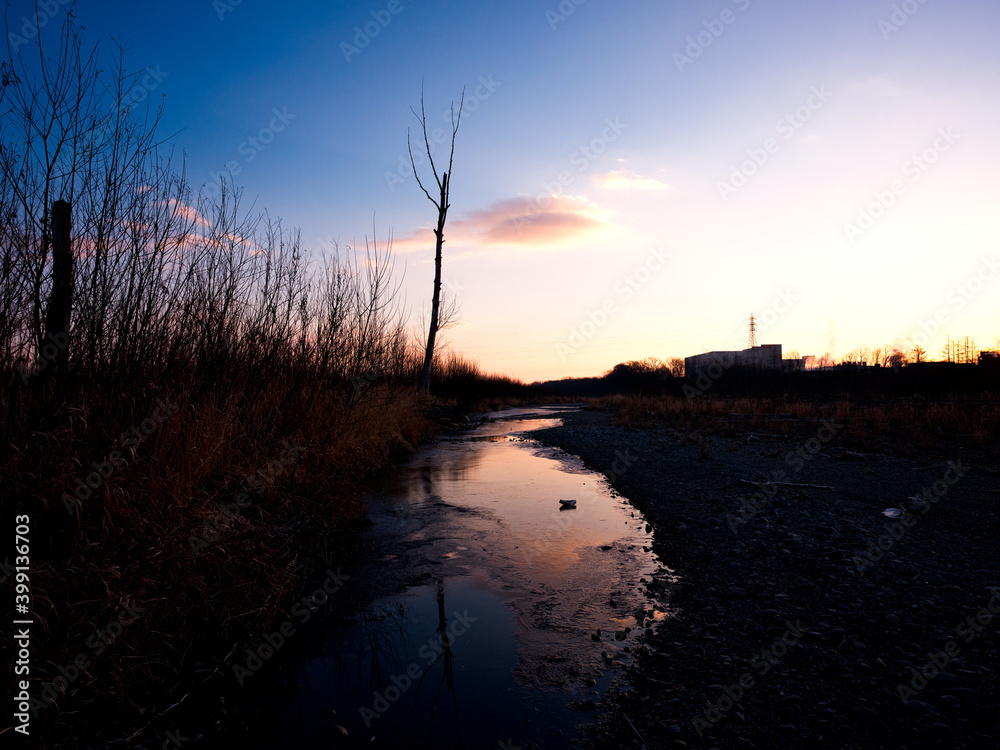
804 615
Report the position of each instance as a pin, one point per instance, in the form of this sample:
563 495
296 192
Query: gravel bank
804 616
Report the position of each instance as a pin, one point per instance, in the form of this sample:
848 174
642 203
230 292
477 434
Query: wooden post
54 349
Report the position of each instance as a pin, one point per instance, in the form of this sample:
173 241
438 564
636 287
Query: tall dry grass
457 378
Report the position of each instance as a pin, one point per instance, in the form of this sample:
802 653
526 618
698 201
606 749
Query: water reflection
519 614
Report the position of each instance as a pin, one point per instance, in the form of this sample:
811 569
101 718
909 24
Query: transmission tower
753 331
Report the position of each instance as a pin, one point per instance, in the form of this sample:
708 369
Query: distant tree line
653 375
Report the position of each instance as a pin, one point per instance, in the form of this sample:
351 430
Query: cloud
623 179
547 220
186 212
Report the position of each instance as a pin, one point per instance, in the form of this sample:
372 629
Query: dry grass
131 540
460 379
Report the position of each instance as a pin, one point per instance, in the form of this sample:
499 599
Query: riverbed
509 615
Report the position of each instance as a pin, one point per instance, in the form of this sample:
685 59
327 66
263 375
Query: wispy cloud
186 212
544 221
624 179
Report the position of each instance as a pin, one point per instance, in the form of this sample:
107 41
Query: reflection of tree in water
447 658
385 645
447 466
385 639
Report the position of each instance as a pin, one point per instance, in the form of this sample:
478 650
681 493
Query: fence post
61 299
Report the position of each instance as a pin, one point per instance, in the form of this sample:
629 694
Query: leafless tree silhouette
443 184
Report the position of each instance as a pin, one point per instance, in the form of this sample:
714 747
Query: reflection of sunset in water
554 597
565 573
519 486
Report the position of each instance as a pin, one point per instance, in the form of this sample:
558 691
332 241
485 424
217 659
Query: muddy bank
805 614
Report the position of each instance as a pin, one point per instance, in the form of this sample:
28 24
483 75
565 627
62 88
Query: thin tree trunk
442 206
425 375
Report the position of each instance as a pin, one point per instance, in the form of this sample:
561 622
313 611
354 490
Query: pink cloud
547 220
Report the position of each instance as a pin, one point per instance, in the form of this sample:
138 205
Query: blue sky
631 179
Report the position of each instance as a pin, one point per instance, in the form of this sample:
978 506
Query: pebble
794 561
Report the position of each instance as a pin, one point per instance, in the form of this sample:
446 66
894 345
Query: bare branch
415 173
454 127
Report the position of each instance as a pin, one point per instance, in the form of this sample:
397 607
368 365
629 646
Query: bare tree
969 350
677 367
918 353
653 364
949 349
898 359
882 355
855 356
443 182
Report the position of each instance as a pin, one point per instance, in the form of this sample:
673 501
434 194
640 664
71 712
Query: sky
631 179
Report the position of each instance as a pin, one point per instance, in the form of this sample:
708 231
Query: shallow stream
512 614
